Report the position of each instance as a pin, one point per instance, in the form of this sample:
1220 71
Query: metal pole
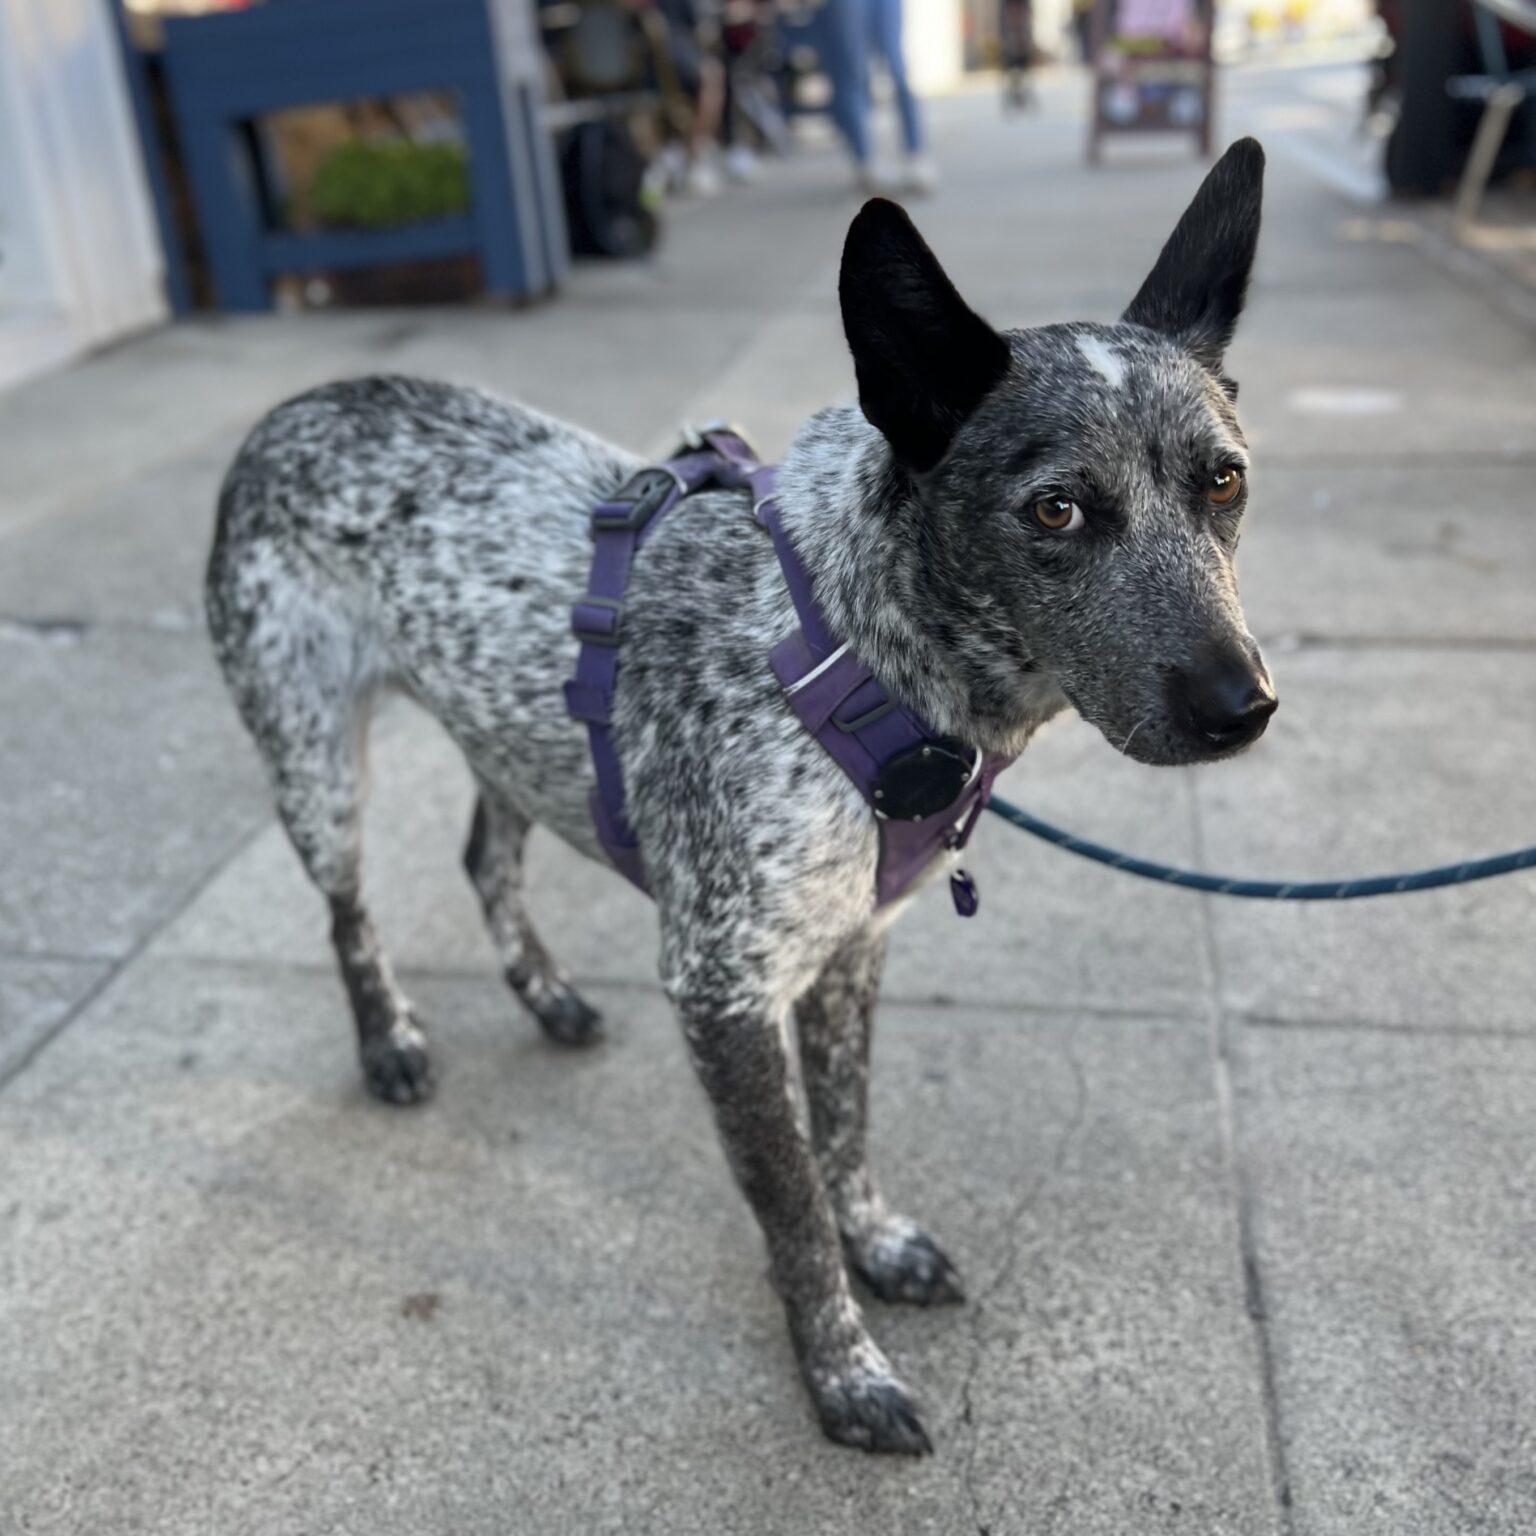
1421 157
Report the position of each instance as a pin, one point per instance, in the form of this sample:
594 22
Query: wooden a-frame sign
1152 71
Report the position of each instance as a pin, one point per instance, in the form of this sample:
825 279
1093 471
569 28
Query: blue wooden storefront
225 69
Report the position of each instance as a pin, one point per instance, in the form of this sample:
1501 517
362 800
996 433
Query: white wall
1052 18
931 33
80 261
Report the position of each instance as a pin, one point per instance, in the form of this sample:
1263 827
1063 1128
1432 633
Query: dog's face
1087 481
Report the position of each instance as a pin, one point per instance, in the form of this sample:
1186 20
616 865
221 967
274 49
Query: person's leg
841 47
1083 24
730 106
709 105
885 20
701 80
709 102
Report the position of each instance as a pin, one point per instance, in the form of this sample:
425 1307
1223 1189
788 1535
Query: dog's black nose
1227 702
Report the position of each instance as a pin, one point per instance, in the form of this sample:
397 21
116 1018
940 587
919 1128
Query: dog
1006 526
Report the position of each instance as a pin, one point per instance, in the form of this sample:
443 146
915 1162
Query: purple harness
926 790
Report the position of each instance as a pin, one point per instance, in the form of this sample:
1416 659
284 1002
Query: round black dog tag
925 780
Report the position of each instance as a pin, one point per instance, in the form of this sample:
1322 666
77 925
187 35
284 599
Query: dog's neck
898 596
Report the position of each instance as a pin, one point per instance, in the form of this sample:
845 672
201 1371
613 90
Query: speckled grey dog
1006 525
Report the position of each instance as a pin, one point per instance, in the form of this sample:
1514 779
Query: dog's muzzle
1224 702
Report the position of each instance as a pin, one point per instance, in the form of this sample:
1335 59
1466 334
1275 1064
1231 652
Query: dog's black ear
1196 290
923 357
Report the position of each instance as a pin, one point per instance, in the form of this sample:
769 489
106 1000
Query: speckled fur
390 531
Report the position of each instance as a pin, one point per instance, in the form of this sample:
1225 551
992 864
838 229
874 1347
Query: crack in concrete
1003 1275
1242 1195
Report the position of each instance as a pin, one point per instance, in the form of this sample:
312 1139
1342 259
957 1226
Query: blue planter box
226 69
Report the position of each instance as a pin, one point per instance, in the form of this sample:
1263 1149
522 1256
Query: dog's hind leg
303 675
894 1256
318 772
493 859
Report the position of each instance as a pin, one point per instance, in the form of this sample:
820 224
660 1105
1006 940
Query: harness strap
819 639
847 709
926 791
620 525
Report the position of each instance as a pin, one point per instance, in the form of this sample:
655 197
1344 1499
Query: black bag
604 178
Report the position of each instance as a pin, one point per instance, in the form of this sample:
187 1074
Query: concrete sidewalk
1243 1194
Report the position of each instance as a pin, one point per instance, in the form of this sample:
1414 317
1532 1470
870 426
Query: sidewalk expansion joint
1314 640
119 965
1002 1275
1104 1012
1242 1197
1483 460
1386 1027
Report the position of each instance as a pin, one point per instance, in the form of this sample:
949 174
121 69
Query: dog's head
1087 480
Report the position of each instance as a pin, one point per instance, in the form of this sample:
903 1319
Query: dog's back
400 490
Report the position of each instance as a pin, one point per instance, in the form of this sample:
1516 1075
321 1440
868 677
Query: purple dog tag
966 897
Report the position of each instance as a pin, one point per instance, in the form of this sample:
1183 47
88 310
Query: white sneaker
875 180
922 175
672 166
740 164
703 179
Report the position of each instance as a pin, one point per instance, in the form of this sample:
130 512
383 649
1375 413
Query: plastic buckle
695 439
589 636
640 498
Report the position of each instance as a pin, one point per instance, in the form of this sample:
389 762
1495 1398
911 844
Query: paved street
1243 1193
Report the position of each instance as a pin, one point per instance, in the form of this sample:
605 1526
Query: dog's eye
1057 514
1224 486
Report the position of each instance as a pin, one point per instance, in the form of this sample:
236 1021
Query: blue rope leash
1269 890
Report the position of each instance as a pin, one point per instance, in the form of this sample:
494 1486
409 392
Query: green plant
371 185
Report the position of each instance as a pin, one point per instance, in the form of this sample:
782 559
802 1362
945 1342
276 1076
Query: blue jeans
883 20
842 46
853 33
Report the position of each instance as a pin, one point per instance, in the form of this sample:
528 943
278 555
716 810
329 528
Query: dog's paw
870 1409
898 1261
568 1018
396 1067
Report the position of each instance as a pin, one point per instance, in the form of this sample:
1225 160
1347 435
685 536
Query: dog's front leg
895 1257
738 1047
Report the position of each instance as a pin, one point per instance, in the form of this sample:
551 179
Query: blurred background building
162 156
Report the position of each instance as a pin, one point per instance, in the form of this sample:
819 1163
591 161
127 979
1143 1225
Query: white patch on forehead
1103 359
